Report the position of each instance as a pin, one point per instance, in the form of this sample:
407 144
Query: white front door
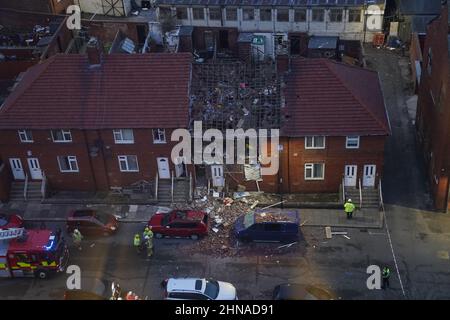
17 169
217 176
35 169
350 176
163 168
369 175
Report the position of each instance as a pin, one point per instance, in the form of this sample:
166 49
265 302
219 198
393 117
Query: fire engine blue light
49 246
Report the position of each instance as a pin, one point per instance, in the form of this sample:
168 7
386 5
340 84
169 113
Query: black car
288 291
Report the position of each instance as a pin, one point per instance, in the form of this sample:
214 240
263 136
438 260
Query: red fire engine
31 253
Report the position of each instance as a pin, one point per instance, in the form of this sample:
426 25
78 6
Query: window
315 142
283 15
335 15
265 14
300 15
215 14
61 136
123 136
354 15
68 164
317 15
182 13
231 14
25 136
352 142
159 136
128 164
314 171
249 14
198 13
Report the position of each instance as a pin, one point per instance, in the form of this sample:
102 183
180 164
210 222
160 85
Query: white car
198 289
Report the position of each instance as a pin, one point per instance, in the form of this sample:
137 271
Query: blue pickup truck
272 225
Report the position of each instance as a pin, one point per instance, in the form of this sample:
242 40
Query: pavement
365 218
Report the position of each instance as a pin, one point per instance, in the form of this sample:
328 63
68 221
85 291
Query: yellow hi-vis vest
349 207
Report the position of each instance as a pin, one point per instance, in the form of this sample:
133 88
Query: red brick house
91 122
335 129
433 109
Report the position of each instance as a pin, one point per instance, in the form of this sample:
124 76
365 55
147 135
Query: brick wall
433 110
5 182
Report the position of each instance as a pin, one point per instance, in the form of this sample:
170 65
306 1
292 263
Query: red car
8 221
180 223
92 222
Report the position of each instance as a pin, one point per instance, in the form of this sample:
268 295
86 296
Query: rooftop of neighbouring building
116 91
325 97
290 3
420 7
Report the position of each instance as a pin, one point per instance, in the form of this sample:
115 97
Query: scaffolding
235 95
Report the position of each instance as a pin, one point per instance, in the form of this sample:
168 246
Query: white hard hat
349 200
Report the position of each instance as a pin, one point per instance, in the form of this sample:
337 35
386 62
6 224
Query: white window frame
313 144
159 130
64 133
70 161
119 136
25 136
311 166
124 158
352 138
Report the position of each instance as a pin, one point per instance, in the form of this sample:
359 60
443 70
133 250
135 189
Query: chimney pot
94 52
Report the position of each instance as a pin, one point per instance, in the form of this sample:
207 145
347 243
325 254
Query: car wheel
42 274
194 236
158 235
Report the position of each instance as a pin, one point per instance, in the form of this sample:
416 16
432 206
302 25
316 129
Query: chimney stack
94 52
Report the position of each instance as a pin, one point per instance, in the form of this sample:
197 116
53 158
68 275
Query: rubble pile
271 217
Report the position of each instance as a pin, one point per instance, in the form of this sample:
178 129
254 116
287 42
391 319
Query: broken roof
125 91
267 2
324 97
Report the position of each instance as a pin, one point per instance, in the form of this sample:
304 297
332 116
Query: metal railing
25 187
172 186
343 190
381 195
360 195
43 186
191 187
156 187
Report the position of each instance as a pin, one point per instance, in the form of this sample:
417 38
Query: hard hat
349 200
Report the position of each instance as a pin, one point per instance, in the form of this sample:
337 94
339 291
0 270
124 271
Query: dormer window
25 136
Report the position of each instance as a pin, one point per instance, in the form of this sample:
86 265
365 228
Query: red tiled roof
324 97
126 91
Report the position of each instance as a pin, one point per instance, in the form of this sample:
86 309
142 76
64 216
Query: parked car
179 223
288 291
198 289
8 221
268 225
92 222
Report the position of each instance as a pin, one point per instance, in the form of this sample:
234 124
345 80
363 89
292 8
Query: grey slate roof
257 3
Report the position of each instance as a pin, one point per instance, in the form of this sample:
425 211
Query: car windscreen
165 220
212 289
249 219
102 217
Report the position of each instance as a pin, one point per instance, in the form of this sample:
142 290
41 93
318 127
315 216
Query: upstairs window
335 15
182 13
317 15
159 136
215 14
61 135
25 136
352 142
123 136
265 14
300 15
283 15
198 13
248 14
354 15
231 14
315 142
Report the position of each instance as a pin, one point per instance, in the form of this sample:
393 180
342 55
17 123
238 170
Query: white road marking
393 253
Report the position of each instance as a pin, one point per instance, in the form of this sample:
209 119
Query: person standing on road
137 243
148 232
349 207
77 237
386 274
149 245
